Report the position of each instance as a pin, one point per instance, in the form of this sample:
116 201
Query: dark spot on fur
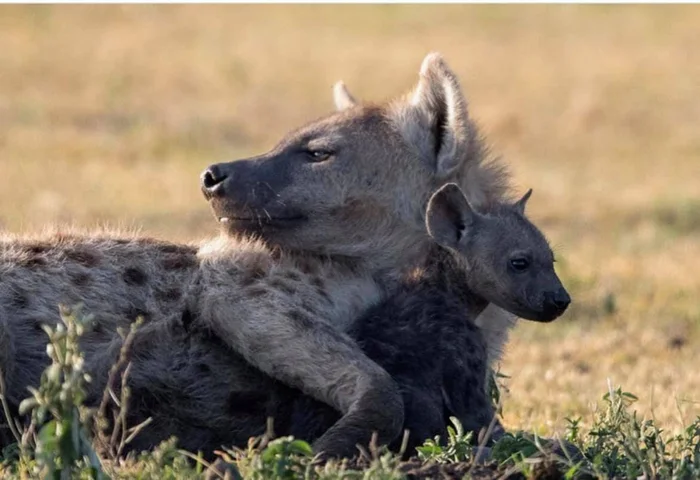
203 368
246 281
35 261
246 402
251 275
84 256
307 307
471 383
307 266
174 248
36 248
187 319
256 292
293 276
135 276
133 313
282 286
169 294
18 300
79 278
176 261
301 319
257 272
323 294
474 363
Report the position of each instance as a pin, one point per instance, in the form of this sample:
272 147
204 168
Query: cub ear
342 97
435 120
520 204
449 216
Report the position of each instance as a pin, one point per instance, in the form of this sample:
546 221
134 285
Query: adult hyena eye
319 155
520 264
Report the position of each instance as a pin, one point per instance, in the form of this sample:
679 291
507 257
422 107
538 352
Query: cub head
507 259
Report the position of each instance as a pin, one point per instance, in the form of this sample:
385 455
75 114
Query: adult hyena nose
212 180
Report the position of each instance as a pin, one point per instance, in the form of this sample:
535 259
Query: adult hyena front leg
327 365
278 322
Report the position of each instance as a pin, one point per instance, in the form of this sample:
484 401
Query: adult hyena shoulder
117 277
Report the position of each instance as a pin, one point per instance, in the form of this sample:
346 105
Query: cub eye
319 155
520 264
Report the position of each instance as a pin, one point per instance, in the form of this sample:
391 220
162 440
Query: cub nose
561 299
212 181
557 301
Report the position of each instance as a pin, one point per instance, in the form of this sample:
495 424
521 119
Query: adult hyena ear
435 120
449 216
520 204
342 97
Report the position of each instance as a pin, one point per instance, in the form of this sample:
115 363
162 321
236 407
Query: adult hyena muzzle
244 194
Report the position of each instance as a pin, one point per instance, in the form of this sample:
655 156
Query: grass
67 440
108 114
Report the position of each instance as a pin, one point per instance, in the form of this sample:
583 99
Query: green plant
61 445
621 444
458 448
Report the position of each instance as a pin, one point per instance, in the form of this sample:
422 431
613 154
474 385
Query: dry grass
107 114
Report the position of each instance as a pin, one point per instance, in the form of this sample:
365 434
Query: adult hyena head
357 182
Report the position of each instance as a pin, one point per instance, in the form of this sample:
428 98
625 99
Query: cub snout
556 303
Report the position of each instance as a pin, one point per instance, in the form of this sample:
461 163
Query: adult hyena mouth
260 219
258 222
232 213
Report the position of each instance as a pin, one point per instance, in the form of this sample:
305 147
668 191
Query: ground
109 113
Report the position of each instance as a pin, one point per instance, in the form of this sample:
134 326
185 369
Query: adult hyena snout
556 302
247 194
250 182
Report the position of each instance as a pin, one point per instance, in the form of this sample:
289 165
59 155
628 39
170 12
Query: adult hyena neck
387 266
332 289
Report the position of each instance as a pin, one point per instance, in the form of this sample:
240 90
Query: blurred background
109 113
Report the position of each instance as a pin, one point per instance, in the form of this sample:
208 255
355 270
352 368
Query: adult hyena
343 196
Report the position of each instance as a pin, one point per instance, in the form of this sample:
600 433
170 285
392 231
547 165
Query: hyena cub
424 335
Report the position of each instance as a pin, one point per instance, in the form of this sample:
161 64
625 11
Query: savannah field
108 114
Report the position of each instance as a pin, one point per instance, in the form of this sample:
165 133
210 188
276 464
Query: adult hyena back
116 278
